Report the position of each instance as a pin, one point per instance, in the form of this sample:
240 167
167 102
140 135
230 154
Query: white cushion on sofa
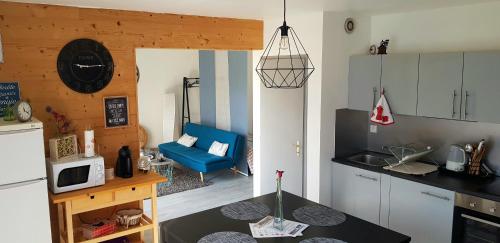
218 149
187 140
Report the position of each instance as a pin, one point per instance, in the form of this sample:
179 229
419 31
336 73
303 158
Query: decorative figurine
382 49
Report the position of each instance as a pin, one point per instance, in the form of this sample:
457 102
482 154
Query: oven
475 220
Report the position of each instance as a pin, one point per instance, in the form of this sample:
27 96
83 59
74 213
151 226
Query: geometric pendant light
284 63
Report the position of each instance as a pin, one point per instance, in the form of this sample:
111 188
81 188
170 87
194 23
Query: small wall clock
349 25
85 65
23 111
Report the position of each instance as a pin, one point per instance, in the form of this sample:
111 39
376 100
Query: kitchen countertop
192 227
488 188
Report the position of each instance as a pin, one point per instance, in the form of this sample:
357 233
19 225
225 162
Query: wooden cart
102 201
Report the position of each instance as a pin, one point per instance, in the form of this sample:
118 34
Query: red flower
280 173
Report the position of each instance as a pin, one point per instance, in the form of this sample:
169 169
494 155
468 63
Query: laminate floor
227 188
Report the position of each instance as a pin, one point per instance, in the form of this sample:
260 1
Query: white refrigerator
24 201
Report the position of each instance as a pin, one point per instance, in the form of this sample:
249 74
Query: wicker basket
129 217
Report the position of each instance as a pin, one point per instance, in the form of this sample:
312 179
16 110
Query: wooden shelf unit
145 224
115 194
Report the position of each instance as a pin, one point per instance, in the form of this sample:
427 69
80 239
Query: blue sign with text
9 95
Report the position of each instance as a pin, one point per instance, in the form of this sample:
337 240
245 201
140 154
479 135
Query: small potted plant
9 113
64 145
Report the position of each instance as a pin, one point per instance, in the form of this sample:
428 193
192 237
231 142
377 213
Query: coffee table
164 168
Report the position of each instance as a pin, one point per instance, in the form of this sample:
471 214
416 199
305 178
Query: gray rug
322 240
318 215
183 180
245 210
227 237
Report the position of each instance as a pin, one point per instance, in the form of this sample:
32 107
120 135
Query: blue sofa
197 157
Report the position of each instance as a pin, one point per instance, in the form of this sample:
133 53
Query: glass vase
278 208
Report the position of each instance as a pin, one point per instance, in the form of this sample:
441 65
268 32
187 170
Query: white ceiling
260 8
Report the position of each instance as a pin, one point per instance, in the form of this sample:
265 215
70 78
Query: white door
25 210
282 137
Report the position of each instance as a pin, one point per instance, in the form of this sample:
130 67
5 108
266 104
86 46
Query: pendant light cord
284 10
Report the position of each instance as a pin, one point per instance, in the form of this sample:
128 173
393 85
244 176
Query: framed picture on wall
9 95
116 111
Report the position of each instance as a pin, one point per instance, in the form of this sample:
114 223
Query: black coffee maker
123 166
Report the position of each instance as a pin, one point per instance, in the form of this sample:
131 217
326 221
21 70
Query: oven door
74 178
475 227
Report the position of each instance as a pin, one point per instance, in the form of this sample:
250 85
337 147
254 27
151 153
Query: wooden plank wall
33 35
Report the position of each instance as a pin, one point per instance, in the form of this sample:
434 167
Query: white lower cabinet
423 212
342 196
356 192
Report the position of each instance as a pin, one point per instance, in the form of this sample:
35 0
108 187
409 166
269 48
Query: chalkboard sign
9 95
116 111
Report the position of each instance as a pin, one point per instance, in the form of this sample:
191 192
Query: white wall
162 71
309 28
471 27
338 46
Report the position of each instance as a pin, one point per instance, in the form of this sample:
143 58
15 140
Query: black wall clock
85 65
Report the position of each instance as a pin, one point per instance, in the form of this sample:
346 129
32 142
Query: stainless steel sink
368 159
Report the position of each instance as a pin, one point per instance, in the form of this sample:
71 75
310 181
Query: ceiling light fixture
284 64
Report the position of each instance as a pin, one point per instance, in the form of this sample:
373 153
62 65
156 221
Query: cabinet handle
466 104
453 104
374 101
92 197
133 188
436 196
367 177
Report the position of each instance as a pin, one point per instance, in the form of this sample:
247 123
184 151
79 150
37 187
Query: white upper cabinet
399 82
364 81
481 87
440 85
461 86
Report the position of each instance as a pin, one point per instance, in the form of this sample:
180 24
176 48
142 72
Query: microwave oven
75 173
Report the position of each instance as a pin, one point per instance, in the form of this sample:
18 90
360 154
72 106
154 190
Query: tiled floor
227 188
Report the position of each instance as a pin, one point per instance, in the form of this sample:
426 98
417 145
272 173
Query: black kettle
123 166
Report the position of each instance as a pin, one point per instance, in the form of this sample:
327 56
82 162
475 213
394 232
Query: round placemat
318 215
227 237
322 240
245 210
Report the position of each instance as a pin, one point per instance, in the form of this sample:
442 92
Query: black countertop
192 227
488 188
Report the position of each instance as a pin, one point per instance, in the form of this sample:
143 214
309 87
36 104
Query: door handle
297 148
436 196
466 104
453 104
367 177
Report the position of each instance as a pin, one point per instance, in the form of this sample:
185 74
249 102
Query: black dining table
193 227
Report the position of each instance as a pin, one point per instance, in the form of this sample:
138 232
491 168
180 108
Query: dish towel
382 113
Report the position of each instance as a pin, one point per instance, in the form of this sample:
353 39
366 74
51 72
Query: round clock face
85 65
23 111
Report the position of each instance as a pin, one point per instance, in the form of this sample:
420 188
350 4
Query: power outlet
373 128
